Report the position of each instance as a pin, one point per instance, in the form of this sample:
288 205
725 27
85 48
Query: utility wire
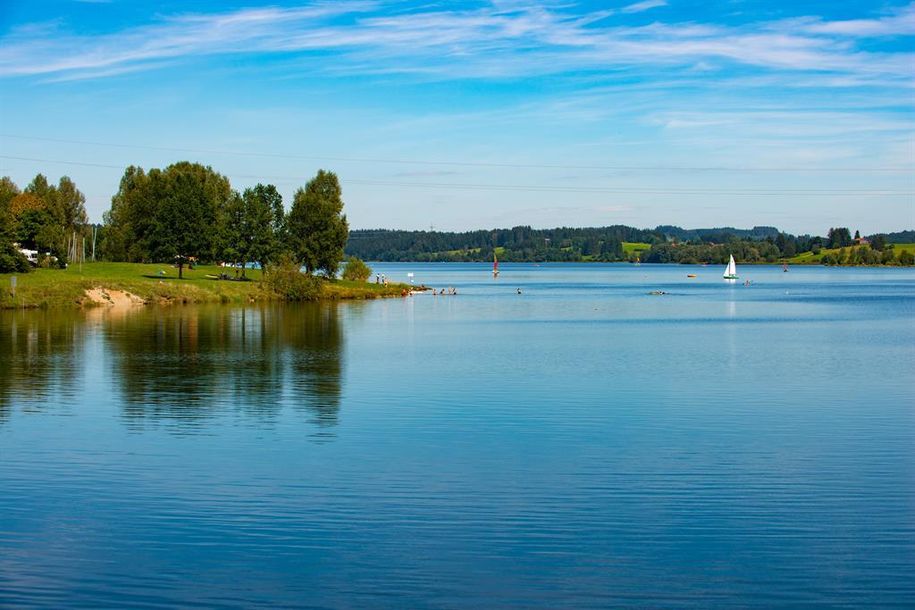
542 187
646 168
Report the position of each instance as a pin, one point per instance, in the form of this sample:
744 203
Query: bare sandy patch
116 299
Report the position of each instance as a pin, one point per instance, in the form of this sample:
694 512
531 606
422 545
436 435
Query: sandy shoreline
115 299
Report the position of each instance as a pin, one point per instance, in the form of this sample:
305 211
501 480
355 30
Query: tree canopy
164 214
317 228
190 210
251 226
43 216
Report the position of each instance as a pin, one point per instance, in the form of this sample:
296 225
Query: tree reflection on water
39 356
181 366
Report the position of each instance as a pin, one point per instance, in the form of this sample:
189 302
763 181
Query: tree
127 218
11 260
250 226
168 215
69 211
8 191
857 234
838 237
356 270
29 215
264 218
317 228
40 188
232 246
50 217
189 199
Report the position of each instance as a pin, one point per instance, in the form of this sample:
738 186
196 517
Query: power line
646 168
656 191
546 188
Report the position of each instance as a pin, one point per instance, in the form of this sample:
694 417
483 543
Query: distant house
862 241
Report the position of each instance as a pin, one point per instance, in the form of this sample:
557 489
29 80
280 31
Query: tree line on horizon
189 211
664 244
179 214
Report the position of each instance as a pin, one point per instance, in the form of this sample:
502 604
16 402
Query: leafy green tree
317 228
838 237
906 258
286 279
50 217
128 218
189 199
168 215
10 259
8 191
265 219
30 215
871 256
356 270
232 245
71 205
40 187
250 226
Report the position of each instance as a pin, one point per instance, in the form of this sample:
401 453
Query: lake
582 444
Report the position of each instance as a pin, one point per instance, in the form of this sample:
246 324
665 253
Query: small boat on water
730 272
690 275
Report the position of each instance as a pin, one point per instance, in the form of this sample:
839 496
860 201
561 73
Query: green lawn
809 258
635 246
157 283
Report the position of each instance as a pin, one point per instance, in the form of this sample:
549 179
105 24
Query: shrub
287 280
11 260
356 270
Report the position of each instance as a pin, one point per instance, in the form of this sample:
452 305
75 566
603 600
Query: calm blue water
583 444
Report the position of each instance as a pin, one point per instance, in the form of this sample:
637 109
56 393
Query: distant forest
663 244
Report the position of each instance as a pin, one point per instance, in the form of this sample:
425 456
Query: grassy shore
809 258
68 287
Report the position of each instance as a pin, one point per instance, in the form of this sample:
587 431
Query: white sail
731 272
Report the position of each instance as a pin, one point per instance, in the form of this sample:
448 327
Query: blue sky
482 114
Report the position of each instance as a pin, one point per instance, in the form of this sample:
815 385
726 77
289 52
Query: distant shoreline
631 264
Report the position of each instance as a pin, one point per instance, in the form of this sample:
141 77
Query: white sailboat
731 272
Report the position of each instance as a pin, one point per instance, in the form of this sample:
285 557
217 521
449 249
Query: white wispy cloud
900 22
645 5
501 40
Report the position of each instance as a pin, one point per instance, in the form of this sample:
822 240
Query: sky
465 115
